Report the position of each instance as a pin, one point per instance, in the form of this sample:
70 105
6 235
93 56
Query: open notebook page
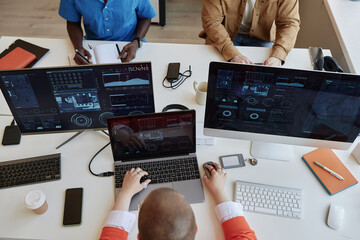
101 54
106 53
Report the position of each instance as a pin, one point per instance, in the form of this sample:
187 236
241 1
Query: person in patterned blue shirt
111 20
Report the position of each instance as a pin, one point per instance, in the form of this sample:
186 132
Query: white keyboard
267 199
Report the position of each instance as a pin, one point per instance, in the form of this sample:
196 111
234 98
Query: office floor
40 18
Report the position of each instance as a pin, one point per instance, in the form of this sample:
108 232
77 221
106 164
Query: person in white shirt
165 214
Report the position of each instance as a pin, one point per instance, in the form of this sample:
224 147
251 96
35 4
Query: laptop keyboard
162 171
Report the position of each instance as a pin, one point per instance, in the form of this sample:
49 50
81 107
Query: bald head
165 214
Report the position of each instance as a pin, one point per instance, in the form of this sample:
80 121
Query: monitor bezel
270 138
67 67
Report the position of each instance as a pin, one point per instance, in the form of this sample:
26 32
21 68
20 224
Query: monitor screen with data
264 103
76 98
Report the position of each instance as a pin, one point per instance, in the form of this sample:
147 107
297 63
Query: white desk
16 221
344 15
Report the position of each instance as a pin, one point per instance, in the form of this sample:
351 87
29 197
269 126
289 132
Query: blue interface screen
280 101
76 98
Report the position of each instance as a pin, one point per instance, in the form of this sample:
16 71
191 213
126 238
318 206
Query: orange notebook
17 58
328 158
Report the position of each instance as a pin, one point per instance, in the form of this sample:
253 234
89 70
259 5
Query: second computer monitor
279 105
76 98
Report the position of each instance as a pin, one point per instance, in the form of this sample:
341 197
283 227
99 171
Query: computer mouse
335 217
207 171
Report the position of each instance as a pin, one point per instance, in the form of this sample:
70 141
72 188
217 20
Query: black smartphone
173 71
12 135
73 206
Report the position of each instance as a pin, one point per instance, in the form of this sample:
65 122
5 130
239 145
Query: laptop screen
152 135
75 98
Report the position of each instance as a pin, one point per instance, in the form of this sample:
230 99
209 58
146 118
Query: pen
117 47
81 55
329 170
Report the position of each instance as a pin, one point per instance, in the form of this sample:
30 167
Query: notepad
328 158
101 54
17 58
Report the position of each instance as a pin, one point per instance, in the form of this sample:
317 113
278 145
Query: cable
103 174
180 80
105 132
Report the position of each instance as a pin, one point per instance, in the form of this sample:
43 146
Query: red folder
17 58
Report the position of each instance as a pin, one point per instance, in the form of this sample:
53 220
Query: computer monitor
46 100
277 107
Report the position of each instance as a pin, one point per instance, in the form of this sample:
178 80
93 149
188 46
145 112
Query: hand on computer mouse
216 182
207 170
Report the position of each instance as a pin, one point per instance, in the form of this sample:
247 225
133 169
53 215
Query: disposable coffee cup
200 90
36 201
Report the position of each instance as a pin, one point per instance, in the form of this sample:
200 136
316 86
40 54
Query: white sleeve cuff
227 210
121 219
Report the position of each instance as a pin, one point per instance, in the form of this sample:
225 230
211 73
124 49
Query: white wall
316 30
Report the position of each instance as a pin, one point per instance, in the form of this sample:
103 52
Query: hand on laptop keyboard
143 178
170 170
131 183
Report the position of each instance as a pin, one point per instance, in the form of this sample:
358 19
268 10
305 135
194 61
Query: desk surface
17 221
344 15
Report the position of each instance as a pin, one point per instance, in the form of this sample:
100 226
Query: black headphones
174 106
327 63
330 64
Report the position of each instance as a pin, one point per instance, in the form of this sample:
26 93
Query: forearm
212 17
142 27
75 33
122 202
287 28
221 197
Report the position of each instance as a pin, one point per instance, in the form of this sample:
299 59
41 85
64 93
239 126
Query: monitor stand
74 136
274 151
69 139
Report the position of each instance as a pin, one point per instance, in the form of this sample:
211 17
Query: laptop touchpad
191 189
139 197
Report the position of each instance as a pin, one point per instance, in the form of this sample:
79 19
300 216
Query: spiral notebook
328 158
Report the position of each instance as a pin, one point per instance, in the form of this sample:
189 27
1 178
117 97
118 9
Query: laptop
164 145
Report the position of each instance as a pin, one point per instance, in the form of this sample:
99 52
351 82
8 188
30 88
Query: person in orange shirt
174 216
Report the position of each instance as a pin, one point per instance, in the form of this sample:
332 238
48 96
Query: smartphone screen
173 71
73 206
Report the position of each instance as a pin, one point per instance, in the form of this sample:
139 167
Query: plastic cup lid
35 199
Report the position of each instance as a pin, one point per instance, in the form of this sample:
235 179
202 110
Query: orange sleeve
237 228
113 233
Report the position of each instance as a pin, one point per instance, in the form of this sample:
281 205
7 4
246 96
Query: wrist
138 41
221 197
125 195
122 202
81 49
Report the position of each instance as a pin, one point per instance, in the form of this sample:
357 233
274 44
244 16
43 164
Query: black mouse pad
12 135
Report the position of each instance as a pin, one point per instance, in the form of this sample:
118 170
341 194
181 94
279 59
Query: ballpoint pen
329 170
81 55
118 49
